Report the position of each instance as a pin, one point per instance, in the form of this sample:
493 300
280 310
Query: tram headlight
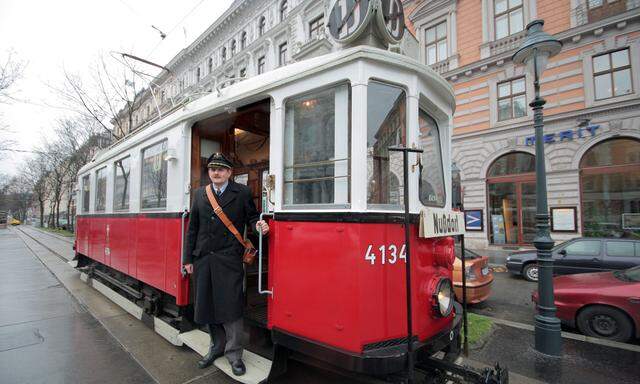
443 298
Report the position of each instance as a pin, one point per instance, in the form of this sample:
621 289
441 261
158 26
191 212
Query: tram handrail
183 271
260 290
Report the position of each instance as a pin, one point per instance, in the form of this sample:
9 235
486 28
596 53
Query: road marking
569 335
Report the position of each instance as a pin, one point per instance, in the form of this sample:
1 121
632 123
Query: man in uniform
214 256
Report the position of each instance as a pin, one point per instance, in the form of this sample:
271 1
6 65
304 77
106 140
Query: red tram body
311 141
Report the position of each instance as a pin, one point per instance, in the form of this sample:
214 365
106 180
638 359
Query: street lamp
535 52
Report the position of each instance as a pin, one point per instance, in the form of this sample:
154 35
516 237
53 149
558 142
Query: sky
49 36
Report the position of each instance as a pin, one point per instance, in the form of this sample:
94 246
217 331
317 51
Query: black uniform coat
216 254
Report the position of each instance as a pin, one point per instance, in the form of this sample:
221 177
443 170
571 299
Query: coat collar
228 195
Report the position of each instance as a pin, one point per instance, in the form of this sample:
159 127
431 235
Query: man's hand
188 268
262 227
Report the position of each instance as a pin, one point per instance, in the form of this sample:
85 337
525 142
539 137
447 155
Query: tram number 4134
388 254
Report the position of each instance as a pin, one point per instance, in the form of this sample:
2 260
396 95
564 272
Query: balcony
588 14
441 66
507 43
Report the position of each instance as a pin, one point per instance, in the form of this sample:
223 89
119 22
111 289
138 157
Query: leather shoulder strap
223 217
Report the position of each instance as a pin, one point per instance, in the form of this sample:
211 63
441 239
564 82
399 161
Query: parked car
15 222
479 277
604 304
580 255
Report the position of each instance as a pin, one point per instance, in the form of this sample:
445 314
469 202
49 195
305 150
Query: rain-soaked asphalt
46 336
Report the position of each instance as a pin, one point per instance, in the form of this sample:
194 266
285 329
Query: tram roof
257 88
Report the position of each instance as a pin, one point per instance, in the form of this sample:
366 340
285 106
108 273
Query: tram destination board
441 222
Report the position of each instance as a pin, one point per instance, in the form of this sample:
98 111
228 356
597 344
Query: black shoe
238 368
210 357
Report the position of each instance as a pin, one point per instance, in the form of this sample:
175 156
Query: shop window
86 193
431 174
121 185
154 176
512 199
316 27
512 99
317 148
612 74
101 189
386 127
508 17
610 188
436 40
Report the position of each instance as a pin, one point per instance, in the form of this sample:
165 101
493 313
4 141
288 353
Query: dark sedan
581 255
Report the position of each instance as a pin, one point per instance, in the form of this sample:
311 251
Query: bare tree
10 72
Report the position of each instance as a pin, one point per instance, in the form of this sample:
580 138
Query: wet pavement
46 336
581 362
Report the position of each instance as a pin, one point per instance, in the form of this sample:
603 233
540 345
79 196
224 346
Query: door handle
634 300
260 290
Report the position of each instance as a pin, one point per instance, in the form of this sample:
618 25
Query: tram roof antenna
162 34
144 61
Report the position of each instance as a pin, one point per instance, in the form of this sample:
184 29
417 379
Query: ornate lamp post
535 52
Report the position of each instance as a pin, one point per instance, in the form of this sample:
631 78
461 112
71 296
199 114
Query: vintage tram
311 140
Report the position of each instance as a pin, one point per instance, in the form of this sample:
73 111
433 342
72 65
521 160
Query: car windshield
631 274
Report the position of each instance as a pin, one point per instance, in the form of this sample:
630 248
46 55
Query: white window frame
445 14
510 73
529 8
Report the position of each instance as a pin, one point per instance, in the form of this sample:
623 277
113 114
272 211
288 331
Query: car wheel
605 322
530 272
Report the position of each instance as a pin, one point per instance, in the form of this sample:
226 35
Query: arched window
261 25
233 48
610 188
511 195
283 10
224 54
243 40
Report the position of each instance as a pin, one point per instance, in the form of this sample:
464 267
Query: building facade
592 114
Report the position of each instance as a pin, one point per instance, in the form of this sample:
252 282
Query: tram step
257 366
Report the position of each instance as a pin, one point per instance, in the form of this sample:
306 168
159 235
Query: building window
512 100
612 74
261 25
243 72
233 48
198 75
261 65
101 189
386 127
243 40
511 190
431 174
163 96
282 54
594 3
509 17
121 185
283 10
317 147
210 65
436 38
316 27
609 187
223 54
86 193
154 176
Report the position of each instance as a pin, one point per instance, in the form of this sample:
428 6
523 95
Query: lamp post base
548 338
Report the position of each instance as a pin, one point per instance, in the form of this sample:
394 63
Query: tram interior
242 135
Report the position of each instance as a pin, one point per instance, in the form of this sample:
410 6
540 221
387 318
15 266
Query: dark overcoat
216 254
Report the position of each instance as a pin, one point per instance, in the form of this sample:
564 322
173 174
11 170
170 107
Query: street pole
547 326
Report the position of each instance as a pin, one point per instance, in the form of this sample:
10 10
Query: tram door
243 136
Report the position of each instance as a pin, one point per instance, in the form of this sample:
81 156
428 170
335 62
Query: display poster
497 226
631 220
563 219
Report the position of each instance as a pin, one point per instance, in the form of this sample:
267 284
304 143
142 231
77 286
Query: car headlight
443 298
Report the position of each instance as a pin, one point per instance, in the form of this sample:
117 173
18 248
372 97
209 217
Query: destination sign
436 222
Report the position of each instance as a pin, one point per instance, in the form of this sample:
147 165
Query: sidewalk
46 335
582 362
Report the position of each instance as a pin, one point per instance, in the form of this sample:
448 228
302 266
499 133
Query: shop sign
436 222
568 135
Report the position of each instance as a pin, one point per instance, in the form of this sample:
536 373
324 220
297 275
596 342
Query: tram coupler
448 371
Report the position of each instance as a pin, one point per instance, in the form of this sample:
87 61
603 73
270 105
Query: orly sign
569 134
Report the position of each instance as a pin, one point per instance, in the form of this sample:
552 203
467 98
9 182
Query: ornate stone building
592 115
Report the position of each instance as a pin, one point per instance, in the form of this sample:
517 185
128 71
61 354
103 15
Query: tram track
42 244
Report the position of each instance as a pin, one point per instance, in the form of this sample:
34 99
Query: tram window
101 189
316 150
431 174
154 176
86 193
121 184
386 127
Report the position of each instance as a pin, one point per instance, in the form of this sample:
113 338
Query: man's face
219 175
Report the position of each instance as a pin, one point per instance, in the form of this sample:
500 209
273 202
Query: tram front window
431 174
386 127
316 151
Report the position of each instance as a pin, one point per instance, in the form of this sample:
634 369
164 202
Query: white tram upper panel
331 120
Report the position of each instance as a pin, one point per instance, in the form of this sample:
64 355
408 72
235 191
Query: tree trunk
41 213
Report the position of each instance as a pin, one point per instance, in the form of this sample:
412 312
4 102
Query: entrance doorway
511 192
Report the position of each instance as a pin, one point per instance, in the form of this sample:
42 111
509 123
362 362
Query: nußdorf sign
435 222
